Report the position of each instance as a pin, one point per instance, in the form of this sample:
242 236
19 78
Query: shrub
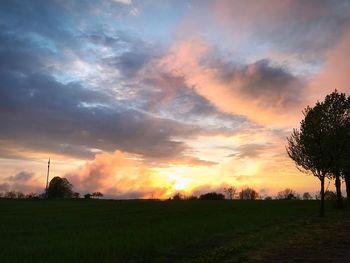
212 196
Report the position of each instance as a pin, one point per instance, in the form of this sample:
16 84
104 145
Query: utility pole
47 178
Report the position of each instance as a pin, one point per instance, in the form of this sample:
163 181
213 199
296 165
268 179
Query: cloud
43 114
4 187
266 84
22 181
129 63
335 72
126 2
119 175
169 96
46 115
129 53
296 27
187 160
251 150
245 89
21 177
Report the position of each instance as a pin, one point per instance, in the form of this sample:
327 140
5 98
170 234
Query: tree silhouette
347 184
32 195
322 145
97 194
307 196
248 194
10 194
287 194
60 188
330 195
308 147
230 192
20 195
212 196
336 111
178 196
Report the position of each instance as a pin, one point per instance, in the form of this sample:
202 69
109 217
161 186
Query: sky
142 99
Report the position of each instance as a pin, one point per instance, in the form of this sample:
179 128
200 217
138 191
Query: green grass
154 231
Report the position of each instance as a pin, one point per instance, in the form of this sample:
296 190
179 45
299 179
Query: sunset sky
141 99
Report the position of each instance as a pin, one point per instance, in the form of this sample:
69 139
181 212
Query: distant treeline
58 188
32 195
231 193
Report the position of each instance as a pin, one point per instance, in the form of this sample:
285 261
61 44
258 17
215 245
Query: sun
177 178
181 183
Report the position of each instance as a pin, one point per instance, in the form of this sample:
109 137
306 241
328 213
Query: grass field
156 231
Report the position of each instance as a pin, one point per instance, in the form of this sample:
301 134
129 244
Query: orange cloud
119 175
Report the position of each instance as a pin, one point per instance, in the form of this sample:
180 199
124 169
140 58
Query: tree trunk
338 188
322 197
347 183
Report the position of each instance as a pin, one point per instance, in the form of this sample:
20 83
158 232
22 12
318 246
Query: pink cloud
245 90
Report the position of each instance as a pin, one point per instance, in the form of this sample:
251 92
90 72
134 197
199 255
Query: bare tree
10 194
287 194
20 195
248 194
230 192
